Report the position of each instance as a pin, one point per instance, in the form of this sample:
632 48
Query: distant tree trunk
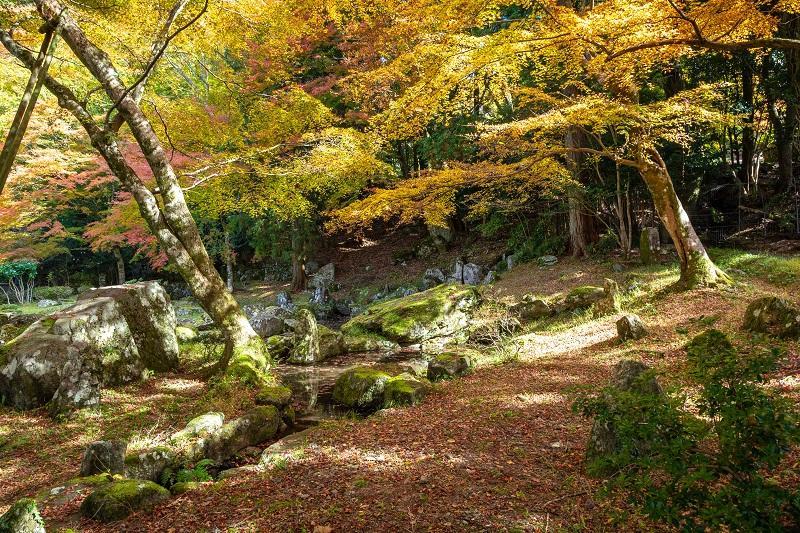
697 268
749 167
299 278
120 266
578 226
229 261
169 219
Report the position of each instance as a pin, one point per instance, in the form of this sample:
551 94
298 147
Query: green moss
22 517
249 364
185 486
406 319
278 395
404 390
114 501
95 480
360 388
48 323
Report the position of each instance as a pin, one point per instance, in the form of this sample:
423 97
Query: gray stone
547 260
22 517
433 277
47 303
73 345
531 308
511 262
238 472
331 343
490 278
80 384
441 234
306 339
269 321
441 312
630 327
284 301
149 464
151 319
773 316
311 267
324 278
450 365
118 499
254 427
467 274
104 456
199 426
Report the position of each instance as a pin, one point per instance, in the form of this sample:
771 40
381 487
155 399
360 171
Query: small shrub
710 468
199 473
55 292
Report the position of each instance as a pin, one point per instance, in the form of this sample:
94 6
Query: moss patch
117 500
417 317
360 388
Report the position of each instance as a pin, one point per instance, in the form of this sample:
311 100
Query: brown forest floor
499 450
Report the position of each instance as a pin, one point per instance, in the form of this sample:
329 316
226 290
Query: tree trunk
172 224
578 228
120 266
748 169
697 268
299 278
229 261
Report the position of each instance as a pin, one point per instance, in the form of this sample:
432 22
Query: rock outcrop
442 311
361 388
111 338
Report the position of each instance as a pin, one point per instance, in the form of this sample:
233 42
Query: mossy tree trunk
169 217
697 268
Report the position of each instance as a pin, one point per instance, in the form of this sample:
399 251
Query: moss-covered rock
306 349
774 316
442 311
22 517
116 500
360 388
185 486
449 365
368 342
280 346
278 396
200 426
331 343
254 427
405 389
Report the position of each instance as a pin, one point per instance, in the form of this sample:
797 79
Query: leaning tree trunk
173 224
120 266
697 268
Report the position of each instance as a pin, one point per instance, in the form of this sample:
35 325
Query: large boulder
149 464
70 352
22 517
774 316
442 311
118 499
467 274
306 349
361 388
323 278
151 319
